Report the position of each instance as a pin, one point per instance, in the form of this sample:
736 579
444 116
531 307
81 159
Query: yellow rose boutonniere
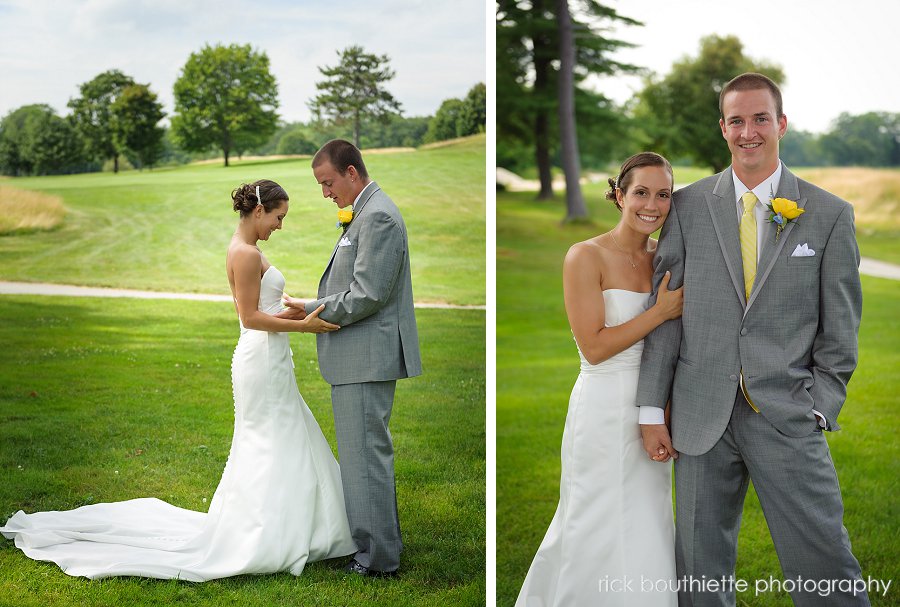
345 216
784 211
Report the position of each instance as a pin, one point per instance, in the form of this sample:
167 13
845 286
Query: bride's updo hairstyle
265 192
622 181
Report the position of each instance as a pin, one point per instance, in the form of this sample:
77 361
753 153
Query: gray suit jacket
796 337
367 290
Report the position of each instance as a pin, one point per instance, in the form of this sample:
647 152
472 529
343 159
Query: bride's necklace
625 253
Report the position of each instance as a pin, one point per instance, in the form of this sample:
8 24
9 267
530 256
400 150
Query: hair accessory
258 199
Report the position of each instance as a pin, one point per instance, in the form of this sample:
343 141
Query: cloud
48 48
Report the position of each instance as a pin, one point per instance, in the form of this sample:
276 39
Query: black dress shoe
356 567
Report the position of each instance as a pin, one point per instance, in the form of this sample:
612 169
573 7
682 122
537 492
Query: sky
837 56
49 47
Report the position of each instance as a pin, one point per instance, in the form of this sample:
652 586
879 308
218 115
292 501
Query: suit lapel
787 188
357 210
723 210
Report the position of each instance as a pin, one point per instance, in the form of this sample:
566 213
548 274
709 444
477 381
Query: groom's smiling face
752 128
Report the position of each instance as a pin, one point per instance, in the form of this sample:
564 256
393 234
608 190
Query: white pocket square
803 250
345 242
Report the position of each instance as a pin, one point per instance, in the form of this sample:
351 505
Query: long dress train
279 504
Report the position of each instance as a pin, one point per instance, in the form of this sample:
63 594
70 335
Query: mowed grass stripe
167 230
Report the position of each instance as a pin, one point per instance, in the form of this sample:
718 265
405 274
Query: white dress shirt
362 191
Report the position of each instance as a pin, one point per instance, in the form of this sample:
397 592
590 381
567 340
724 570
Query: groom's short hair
341 154
751 81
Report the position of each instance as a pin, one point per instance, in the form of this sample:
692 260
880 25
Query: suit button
733 377
744 331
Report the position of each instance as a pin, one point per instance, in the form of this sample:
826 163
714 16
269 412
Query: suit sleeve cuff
311 306
651 415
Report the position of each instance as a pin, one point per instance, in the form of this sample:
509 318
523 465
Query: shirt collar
764 192
368 185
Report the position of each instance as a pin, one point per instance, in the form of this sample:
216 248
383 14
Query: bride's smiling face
266 223
646 200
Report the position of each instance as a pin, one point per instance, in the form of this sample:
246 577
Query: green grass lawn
167 230
537 364
112 399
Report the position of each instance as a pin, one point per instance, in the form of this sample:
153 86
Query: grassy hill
167 230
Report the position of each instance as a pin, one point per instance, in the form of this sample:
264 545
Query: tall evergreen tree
528 56
353 90
575 208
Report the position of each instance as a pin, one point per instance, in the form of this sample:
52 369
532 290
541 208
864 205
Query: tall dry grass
24 210
874 193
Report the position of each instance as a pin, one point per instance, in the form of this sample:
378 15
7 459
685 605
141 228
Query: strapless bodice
620 307
271 287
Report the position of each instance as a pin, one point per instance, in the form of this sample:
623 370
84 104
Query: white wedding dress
279 503
611 541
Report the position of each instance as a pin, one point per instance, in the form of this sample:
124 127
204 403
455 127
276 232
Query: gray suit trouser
361 415
800 498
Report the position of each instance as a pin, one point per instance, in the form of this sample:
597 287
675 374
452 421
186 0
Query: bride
611 541
279 503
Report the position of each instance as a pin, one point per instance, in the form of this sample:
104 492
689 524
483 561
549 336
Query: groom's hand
657 442
292 314
294 308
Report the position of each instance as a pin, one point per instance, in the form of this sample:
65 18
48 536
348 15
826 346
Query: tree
399 131
295 142
35 141
225 98
444 124
575 208
800 149
680 112
91 114
473 116
870 139
134 117
353 91
527 64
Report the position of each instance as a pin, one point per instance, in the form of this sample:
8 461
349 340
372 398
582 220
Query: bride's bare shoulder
586 253
241 254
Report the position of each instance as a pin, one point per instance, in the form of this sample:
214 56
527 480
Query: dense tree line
226 102
675 114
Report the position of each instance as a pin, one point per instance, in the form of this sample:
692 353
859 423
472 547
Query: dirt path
49 289
867 266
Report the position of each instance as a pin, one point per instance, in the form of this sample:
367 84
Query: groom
758 365
367 290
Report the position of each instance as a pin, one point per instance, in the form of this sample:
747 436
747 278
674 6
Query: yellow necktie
748 241
748 254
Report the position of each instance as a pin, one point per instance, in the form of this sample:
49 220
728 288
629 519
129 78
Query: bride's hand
314 324
669 303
